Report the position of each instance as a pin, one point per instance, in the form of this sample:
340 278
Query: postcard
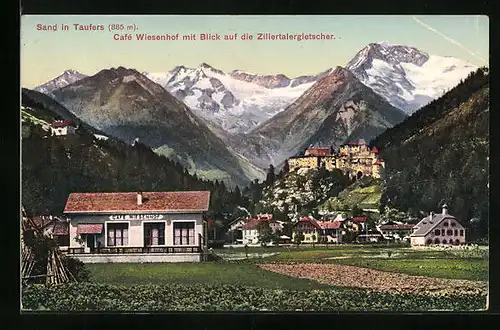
254 163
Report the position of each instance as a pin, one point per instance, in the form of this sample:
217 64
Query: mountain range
125 104
235 101
337 108
233 125
405 76
66 78
54 167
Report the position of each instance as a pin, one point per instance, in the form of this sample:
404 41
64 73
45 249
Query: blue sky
46 54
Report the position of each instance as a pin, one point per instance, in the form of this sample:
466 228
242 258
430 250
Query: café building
137 226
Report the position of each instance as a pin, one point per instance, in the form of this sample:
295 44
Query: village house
356 224
395 231
252 229
354 159
137 227
313 231
438 229
235 230
62 128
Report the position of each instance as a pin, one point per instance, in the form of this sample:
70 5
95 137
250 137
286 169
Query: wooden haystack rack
56 271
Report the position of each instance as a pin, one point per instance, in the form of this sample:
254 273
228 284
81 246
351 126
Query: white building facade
120 227
440 229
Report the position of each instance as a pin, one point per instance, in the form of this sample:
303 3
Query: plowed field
350 276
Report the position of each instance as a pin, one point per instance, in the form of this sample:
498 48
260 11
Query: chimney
431 215
139 198
445 209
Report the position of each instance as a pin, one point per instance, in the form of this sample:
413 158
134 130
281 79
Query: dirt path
351 276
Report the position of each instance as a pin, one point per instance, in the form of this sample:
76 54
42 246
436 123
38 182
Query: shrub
203 297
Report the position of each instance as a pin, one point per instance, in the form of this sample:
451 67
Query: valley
242 122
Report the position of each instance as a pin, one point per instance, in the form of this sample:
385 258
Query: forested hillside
441 155
54 166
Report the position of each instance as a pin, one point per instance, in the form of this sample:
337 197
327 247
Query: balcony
136 250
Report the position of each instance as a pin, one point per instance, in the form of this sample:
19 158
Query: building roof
89 228
317 151
126 202
254 223
329 224
359 219
62 123
311 221
352 143
61 228
396 227
427 224
375 150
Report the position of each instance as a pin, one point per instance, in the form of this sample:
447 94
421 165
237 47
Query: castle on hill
353 158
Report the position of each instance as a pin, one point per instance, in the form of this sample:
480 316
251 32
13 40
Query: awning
89 228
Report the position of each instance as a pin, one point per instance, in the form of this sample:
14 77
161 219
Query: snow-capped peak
405 76
67 77
236 101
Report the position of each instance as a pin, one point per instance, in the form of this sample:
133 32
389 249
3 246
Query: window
461 232
429 241
445 224
437 232
154 233
453 224
442 232
117 234
456 232
184 233
444 241
449 232
436 241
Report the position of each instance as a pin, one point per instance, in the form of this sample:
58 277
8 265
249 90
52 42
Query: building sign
136 217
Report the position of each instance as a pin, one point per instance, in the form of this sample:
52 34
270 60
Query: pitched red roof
61 228
253 223
359 219
352 143
329 224
89 228
378 162
313 222
179 201
374 150
396 227
62 123
319 151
